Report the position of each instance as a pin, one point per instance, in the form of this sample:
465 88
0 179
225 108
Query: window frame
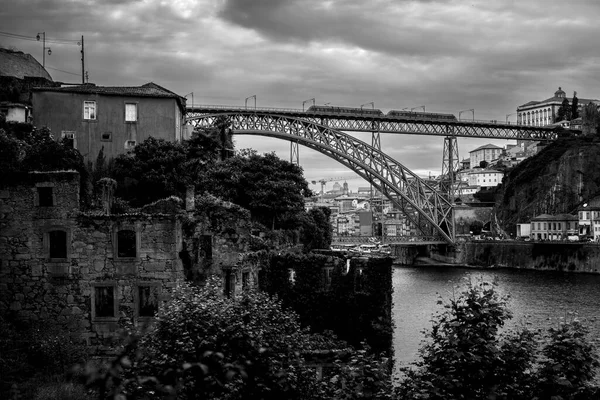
86 107
38 198
115 316
46 243
131 103
136 229
136 298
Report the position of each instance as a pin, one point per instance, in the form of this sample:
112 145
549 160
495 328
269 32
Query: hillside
556 180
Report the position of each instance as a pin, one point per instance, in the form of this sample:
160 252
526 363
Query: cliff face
557 180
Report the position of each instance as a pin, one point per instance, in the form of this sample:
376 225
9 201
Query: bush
467 358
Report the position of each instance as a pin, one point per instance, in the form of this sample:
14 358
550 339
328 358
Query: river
543 295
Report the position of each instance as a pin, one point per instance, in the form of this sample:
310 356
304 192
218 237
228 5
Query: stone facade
89 272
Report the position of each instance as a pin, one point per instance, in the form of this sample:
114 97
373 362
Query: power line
35 39
66 72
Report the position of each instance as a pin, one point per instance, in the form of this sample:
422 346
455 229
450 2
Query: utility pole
44 48
82 62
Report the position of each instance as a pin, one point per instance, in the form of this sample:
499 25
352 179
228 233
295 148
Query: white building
488 152
541 113
485 178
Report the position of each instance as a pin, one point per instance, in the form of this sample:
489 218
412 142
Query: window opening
126 243
106 136
68 138
206 246
104 301
45 197
147 301
245 280
130 112
129 144
57 244
89 110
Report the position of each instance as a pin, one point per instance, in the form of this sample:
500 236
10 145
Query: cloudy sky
448 55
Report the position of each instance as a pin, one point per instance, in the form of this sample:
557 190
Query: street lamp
414 108
44 48
470 109
306 101
192 93
508 115
248 98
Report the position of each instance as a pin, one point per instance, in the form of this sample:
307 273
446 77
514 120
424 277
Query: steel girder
403 187
392 124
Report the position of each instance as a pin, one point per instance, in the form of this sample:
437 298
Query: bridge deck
366 122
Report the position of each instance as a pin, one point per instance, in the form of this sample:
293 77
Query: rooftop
486 146
19 65
150 89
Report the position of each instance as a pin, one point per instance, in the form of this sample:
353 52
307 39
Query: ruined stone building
95 272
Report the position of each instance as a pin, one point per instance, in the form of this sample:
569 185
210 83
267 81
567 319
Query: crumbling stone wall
34 285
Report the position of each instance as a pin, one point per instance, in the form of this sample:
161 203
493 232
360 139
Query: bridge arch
400 185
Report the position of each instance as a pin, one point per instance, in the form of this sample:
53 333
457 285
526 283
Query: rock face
556 180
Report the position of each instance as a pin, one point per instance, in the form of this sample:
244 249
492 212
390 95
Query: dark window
126 244
206 246
45 197
57 244
104 301
148 301
229 283
327 278
245 280
106 136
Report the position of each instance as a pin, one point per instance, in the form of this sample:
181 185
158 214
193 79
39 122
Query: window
57 244
89 110
126 244
69 139
559 226
206 247
130 112
327 277
147 300
45 197
245 280
104 301
129 144
106 137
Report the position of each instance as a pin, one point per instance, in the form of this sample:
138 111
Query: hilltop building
113 118
543 112
487 152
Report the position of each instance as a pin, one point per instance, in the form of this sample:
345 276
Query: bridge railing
320 112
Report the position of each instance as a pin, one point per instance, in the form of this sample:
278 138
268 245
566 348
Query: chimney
190 201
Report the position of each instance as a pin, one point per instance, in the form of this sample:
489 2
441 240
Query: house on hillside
115 118
487 152
553 227
19 73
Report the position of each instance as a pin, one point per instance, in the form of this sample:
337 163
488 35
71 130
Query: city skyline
448 56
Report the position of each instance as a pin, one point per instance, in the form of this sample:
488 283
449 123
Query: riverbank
551 256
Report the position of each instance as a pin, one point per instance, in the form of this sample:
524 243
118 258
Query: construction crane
324 181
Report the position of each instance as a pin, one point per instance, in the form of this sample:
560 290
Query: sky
446 55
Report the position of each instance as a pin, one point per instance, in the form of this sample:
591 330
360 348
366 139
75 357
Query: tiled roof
150 89
486 146
20 65
558 217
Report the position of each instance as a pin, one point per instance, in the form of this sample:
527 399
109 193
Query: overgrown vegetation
466 356
207 346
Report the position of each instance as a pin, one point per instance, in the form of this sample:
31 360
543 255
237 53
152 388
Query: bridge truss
427 209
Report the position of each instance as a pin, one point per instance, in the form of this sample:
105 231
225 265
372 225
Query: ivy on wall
354 302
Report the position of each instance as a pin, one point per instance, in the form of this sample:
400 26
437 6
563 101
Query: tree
575 107
467 358
205 345
564 111
316 229
272 189
590 120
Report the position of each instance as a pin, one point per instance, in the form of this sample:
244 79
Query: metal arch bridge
424 206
